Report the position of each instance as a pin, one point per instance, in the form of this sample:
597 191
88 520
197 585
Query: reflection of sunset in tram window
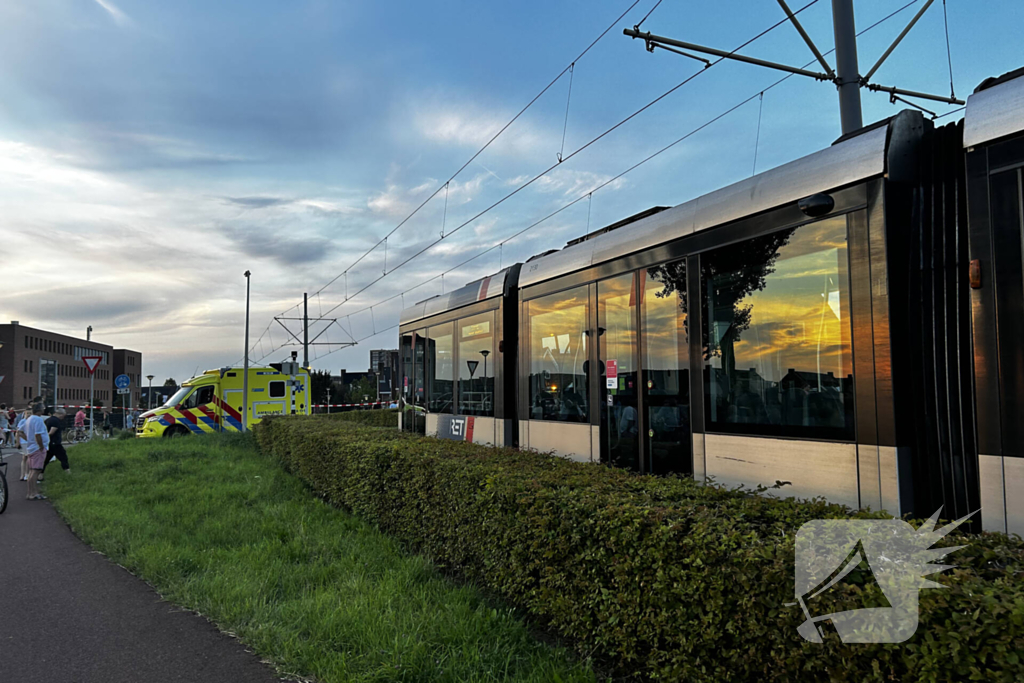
778 332
558 356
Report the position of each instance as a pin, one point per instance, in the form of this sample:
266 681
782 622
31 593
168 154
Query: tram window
477 365
419 392
776 334
440 368
407 366
666 375
558 356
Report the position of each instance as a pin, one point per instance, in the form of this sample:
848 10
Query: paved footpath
69 615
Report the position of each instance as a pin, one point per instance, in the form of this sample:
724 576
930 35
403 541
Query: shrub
664 578
370 418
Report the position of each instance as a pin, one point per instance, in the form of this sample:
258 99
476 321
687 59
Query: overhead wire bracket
661 41
807 39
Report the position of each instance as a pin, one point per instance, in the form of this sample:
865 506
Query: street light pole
149 398
245 371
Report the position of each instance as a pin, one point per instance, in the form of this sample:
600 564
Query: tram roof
995 110
845 162
479 290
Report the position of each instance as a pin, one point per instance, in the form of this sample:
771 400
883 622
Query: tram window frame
490 369
580 411
762 422
439 400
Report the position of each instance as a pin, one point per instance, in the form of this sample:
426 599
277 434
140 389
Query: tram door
617 351
665 378
1007 197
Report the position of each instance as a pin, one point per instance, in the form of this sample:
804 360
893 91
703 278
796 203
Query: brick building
35 363
128 363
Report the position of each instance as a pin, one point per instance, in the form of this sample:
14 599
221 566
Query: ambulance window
277 390
200 397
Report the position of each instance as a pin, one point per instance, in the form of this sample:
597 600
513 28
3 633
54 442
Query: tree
169 382
366 386
747 264
319 383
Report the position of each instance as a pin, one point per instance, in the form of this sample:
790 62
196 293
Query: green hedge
660 577
371 418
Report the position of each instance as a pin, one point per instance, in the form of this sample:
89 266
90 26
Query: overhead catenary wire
757 137
501 244
546 171
949 54
589 194
487 144
580 149
568 99
489 141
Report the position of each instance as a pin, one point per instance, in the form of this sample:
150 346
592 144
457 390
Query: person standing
54 424
38 442
105 422
22 441
79 424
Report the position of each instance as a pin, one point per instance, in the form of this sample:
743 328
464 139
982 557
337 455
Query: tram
849 323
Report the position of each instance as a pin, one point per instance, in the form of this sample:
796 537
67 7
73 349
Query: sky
151 153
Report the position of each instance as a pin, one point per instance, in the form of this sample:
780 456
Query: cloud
120 18
275 242
257 202
466 124
573 184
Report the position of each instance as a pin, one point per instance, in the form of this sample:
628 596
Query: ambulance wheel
175 431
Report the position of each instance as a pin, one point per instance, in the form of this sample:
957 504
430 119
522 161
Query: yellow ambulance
212 402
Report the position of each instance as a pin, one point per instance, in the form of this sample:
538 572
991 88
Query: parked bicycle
76 435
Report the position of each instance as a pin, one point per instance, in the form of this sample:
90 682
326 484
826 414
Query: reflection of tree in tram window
558 355
776 342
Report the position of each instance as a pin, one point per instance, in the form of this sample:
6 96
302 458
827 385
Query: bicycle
76 435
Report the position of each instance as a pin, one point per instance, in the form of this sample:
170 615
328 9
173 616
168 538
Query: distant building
384 362
36 363
128 363
159 395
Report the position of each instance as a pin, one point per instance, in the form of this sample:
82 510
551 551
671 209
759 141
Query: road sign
124 391
91 362
122 382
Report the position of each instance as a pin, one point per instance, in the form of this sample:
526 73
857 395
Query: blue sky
151 152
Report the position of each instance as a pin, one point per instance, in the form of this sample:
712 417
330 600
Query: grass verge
218 527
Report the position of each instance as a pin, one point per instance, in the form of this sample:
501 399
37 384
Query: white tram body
849 323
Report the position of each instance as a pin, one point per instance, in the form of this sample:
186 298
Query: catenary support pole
245 367
305 331
848 78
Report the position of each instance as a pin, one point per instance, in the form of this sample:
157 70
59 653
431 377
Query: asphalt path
69 615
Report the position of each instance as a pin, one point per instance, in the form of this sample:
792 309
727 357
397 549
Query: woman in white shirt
23 442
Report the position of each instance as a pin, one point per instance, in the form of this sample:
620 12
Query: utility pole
245 370
305 331
847 70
